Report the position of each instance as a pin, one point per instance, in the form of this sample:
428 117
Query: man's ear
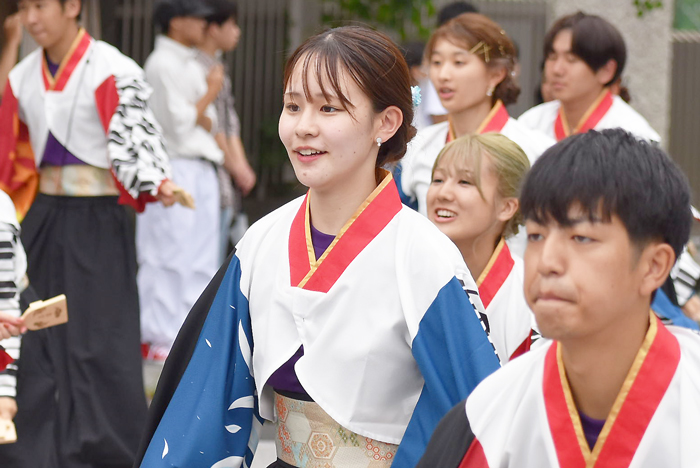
72 8
606 73
656 261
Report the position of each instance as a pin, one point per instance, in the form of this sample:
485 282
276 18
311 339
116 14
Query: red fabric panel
107 100
299 264
560 424
496 276
366 227
475 457
5 359
18 175
647 391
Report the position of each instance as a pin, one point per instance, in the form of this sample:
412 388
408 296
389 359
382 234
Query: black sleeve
450 441
178 359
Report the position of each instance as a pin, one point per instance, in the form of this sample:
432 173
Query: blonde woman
473 199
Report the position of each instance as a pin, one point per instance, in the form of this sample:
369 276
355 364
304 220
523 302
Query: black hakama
80 386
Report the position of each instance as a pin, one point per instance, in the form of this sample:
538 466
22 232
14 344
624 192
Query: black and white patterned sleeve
135 143
685 275
9 303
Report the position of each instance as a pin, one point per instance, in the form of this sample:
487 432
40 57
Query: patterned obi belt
77 180
308 438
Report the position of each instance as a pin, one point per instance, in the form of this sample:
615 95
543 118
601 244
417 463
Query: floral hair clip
415 95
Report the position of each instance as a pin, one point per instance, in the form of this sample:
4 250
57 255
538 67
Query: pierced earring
489 93
379 142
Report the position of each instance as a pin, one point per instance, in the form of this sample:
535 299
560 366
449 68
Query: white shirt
620 115
179 82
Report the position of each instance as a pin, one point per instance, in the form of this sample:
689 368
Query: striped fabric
9 303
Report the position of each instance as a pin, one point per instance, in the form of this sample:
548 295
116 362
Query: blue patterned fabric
667 312
444 332
212 419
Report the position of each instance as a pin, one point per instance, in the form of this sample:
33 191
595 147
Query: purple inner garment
55 154
285 379
591 429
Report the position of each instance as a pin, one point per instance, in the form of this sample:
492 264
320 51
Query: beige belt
308 438
77 181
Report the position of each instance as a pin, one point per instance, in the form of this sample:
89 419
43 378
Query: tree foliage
405 17
644 6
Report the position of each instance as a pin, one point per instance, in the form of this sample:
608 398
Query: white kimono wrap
607 112
508 317
391 339
96 107
523 415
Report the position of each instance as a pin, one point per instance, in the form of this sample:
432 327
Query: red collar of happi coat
70 62
369 220
494 122
590 119
495 274
644 387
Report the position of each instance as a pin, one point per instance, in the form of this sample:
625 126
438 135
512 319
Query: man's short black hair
593 39
63 2
454 9
166 10
611 173
413 53
224 10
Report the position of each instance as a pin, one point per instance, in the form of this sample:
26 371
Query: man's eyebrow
583 219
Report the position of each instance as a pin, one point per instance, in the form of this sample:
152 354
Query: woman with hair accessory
344 316
473 199
472 64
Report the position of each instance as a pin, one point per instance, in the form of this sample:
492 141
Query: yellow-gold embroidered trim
316 263
52 78
624 391
492 260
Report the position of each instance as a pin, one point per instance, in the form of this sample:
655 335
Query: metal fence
684 141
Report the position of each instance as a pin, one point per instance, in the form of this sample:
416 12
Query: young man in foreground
614 387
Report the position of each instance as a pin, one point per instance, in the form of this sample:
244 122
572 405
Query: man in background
221 35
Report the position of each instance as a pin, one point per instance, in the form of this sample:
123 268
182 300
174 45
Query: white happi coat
358 364
509 318
96 108
524 416
613 114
